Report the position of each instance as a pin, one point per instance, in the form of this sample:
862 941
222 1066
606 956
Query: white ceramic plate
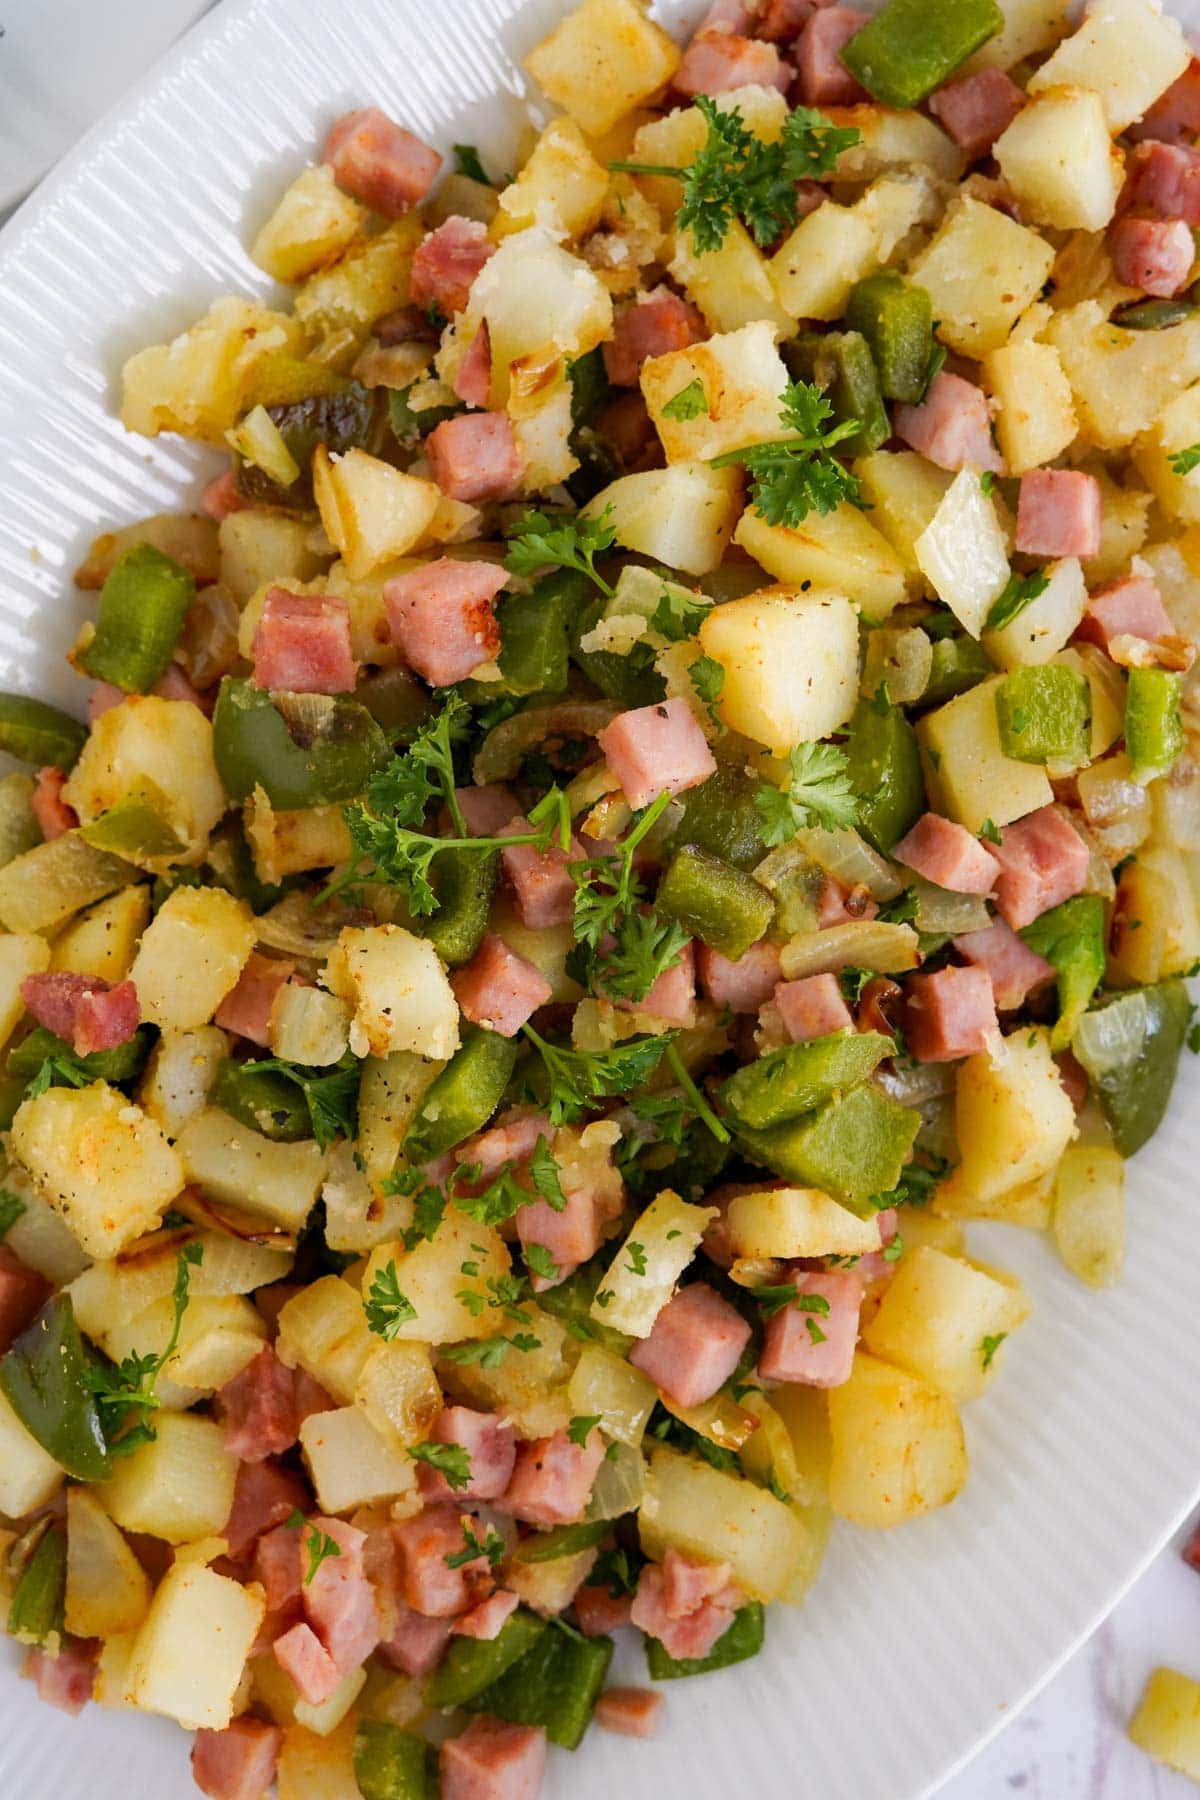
915 1646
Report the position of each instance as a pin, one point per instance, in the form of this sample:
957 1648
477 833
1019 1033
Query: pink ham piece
23 1293
729 15
1131 607
339 1599
655 750
815 1347
874 1265
553 1478
442 619
1012 967
656 322
952 425
742 986
1164 179
630 1711
491 1760
1155 255
380 163
692 1635
445 264
475 457
540 879
672 997
239 1762
427 1582
220 498
53 1000
417 1644
302 644
716 62
512 1139
487 1620
265 1494
782 19
951 1013
948 855
491 1446
837 905
694 1345
277 1565
600 1613
486 810
258 1408
473 383
688 1582
301 1654
174 685
1175 116
977 109
1043 861
821 76
50 810
66 1680
84 1009
575 1233
103 697
1058 513
499 989
812 1007
247 1007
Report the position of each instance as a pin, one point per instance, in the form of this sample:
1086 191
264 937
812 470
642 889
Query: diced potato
982 270
898 1448
1124 522
112 1672
29 1475
963 553
742 375
309 1026
605 58
22 954
939 1319
187 538
1013 1117
114 1292
231 1162
432 1280
1129 51
44 886
1116 807
156 750
318 1768
607 1387
311 226
1156 932
840 550
370 510
368 281
40 1237
682 516
819 262
357 1216
1121 380
547 1588
730 285
790 661
904 491
350 1463
1177 428
918 1225
967 773
542 430
1035 418
108 1591
1057 158
291 843
194 1607
894 138
258 546
789 1222
191 955
398 988
643 1274
528 1387
390 1093
536 298
219 1335
100 1161
1029 26
399 1392
1029 1205
1089 1213
196 383
676 139
182 1068
562 179
103 940
704 1512
1166 1724
323 1329
1041 629
179 1486
878 944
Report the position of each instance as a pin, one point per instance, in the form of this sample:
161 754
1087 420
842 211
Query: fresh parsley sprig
688 403
819 792
492 1546
12 1208
622 947
1019 591
331 1095
127 1393
451 1460
318 1543
793 476
386 1308
579 1078
569 541
1184 461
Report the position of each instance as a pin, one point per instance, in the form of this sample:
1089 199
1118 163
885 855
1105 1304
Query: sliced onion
939 911
504 748
860 944
902 659
299 928
231 1221
208 643
619 1485
850 859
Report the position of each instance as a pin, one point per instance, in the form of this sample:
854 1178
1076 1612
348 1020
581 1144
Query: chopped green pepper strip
896 319
841 365
124 1062
801 1077
743 1639
1071 937
254 748
721 817
43 1377
472 1664
958 663
714 901
36 733
912 46
390 1764
1153 315
1044 714
884 766
1130 1049
555 1685
19 830
142 608
262 1100
464 1096
854 1147
1153 722
36 1613
134 828
563 1540
534 641
465 882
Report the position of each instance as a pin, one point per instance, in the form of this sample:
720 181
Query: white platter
915 1646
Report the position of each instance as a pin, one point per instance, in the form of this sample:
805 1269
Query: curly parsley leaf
386 1308
688 403
541 1262
819 792
1019 591
793 476
466 162
1184 461
569 541
544 1174
492 1546
775 1296
622 947
451 1460
331 1095
679 614
988 1347
127 1393
582 1427
578 1078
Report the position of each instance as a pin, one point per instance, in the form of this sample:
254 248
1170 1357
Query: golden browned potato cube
561 177
1166 1724
604 59
311 226
742 377
1129 51
195 384
191 955
790 661
942 1319
839 550
898 1448
982 270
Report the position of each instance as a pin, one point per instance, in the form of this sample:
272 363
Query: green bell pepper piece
571 1302
1153 722
714 901
800 1077
885 772
342 421
464 1096
912 46
397 701
1155 315
563 1540
142 608
853 1147
36 1613
472 1664
958 663
465 882
262 1099
721 817
590 386
534 645
254 748
555 1685
390 1764
45 886
36 733
743 1639
1044 714
19 830
1071 936
632 679
123 1063
231 864
841 364
133 828
12 1092
1130 1049
896 319
44 1378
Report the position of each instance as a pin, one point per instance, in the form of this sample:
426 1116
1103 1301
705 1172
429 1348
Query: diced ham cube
487 1620
672 996
1043 861
278 1565
948 855
473 383
600 1613
952 425
310 1395
175 685
380 163
695 1634
50 810
442 619
1175 116
782 19
220 498
595 1197
977 109
302 644
301 1654
729 15
1164 179
446 263
631 1711
812 1007
258 1408
339 1599
951 1013
540 879
499 989
489 1442
655 323
655 750
694 1345
106 1017
1130 607
491 1760
475 457
688 1582
486 810
417 1644
716 62
1013 968
553 1478
1155 255
247 1007
1058 513
53 999
23 1293
265 1494
874 1265
815 1347
512 1139
427 1582
744 985
239 1762
822 77
66 1680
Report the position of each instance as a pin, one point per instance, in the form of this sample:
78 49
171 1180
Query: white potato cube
370 510
839 550
312 224
981 270
104 939
940 1318
231 1162
605 58
398 988
706 1513
1121 380
1089 1213
432 1280
1041 629
967 773
182 1068
682 516
188 1658
29 1475
1177 428
157 751
790 661
641 1277
1013 1117
743 377
731 285
1129 51
22 953
350 1463
260 547
894 138
536 298
904 491
195 384
963 553
791 1222
179 1486
191 955
562 182
323 1329
819 262
1057 158
108 1591
898 1448
1029 27
1035 413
